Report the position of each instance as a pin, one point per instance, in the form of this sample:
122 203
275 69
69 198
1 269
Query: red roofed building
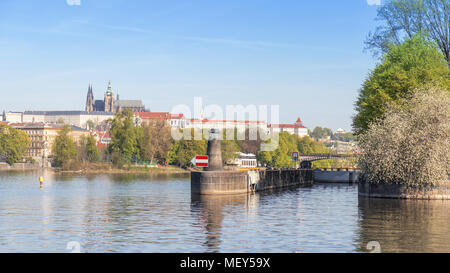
102 138
296 128
226 124
173 120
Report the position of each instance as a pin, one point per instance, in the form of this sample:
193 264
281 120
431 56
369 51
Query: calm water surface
133 213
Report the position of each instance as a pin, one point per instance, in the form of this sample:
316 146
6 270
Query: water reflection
141 213
209 211
404 225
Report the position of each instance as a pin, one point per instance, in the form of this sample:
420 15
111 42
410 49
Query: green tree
281 157
230 150
321 133
251 144
403 19
14 144
90 125
124 137
156 141
64 148
182 151
404 68
92 153
308 146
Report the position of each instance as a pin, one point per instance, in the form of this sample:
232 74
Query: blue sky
306 56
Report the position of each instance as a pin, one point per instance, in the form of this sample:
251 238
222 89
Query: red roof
102 137
286 126
176 116
158 115
297 124
153 115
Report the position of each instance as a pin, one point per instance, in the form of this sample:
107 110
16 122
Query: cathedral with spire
109 105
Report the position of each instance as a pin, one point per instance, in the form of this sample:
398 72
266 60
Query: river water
140 213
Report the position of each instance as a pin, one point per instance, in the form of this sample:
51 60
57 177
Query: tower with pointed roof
299 121
109 99
90 100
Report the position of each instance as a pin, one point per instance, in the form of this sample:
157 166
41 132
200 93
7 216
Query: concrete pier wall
238 182
219 182
276 179
341 176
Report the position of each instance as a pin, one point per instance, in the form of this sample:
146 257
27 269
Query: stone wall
219 182
238 182
276 179
20 166
398 191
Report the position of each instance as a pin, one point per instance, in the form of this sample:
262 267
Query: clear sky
304 55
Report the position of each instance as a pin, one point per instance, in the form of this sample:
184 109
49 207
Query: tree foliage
411 146
90 125
182 151
345 137
250 144
14 144
156 141
403 19
289 143
64 148
87 150
321 133
404 68
124 137
230 150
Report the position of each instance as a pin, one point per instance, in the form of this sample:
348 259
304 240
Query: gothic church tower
109 99
90 100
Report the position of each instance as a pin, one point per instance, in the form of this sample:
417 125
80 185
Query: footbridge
307 159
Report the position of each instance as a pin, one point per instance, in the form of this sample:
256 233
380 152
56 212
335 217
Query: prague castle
109 105
96 111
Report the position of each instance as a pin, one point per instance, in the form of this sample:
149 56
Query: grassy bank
93 168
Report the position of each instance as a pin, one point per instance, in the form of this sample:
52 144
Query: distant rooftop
128 103
67 113
153 115
42 125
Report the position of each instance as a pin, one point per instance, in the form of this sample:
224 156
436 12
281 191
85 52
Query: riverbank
19 166
99 168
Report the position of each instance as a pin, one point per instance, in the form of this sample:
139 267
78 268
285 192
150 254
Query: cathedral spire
109 90
90 99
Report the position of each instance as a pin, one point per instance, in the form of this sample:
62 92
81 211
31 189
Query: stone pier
215 180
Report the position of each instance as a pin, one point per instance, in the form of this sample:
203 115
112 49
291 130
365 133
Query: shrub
411 145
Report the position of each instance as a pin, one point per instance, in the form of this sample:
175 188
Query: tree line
14 144
324 133
289 143
152 143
